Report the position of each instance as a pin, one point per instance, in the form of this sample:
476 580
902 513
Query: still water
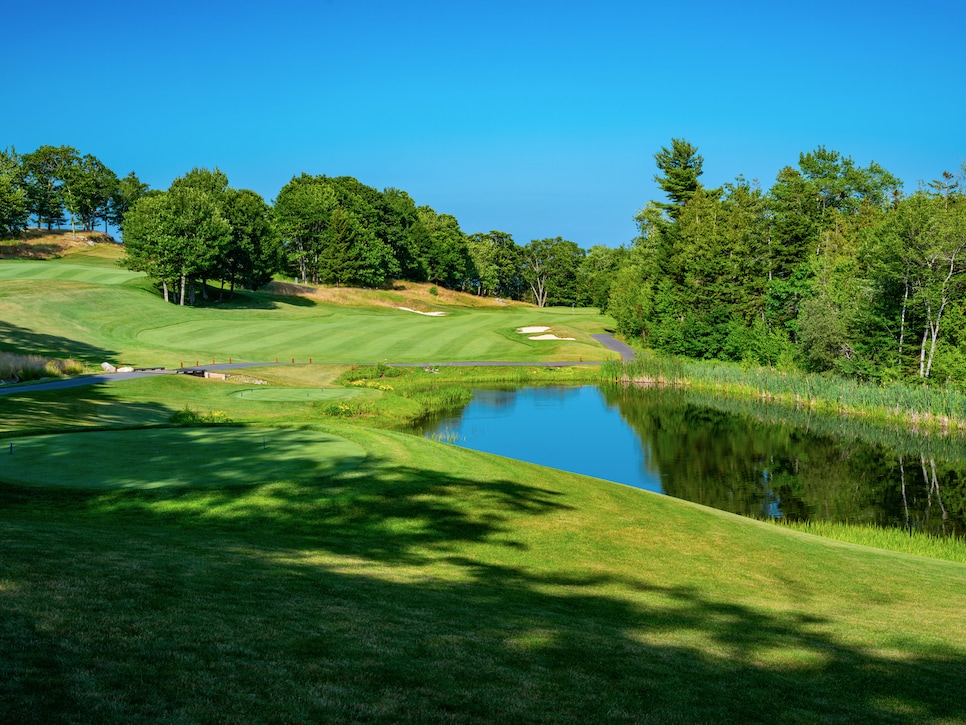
754 460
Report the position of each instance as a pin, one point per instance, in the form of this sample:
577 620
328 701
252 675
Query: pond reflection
751 459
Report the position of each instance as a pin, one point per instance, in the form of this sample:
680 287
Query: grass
14 367
890 539
402 580
435 584
925 407
176 457
84 310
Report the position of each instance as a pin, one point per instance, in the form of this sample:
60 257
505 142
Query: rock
126 369
108 368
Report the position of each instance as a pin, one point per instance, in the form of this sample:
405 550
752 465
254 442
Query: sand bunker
532 328
549 337
431 314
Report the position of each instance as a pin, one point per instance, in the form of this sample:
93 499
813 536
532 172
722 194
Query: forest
834 269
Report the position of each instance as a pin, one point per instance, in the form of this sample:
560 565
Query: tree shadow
382 511
24 341
248 300
78 408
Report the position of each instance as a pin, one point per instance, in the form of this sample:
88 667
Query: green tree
596 274
254 253
89 187
44 171
680 167
303 209
129 190
14 210
443 252
496 259
549 267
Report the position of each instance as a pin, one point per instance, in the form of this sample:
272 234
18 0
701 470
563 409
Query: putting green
176 457
296 395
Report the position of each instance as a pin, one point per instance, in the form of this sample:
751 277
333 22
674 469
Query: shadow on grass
381 596
248 300
378 510
22 340
77 408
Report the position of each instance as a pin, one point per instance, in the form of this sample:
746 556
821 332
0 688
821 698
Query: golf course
273 547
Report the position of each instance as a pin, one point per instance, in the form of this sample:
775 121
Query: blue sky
536 118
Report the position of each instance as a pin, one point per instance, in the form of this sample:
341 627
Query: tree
128 190
44 171
179 236
89 187
254 253
443 253
596 274
680 166
496 259
549 267
302 211
14 210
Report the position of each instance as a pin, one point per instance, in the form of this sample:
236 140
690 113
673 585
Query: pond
753 459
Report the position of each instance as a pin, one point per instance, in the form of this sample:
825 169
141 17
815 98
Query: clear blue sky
536 118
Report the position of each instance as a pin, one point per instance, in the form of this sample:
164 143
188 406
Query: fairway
296 395
177 457
369 336
63 272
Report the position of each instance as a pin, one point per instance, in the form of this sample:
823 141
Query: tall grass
891 539
921 407
15 367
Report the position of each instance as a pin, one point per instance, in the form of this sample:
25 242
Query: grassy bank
917 407
435 584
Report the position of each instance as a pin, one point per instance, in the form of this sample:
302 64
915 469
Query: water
734 459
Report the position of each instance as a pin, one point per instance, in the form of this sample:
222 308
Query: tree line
319 229
55 182
831 269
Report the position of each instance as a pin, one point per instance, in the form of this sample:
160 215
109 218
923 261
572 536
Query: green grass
295 395
176 457
62 271
79 308
907 542
927 407
366 575
434 584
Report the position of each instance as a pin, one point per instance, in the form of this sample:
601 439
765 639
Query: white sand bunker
431 314
540 328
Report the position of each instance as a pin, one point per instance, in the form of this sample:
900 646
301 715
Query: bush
187 416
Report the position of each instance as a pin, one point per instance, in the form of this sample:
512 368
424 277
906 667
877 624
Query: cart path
605 339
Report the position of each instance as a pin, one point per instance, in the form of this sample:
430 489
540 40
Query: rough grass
17 368
925 407
414 295
43 244
890 539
